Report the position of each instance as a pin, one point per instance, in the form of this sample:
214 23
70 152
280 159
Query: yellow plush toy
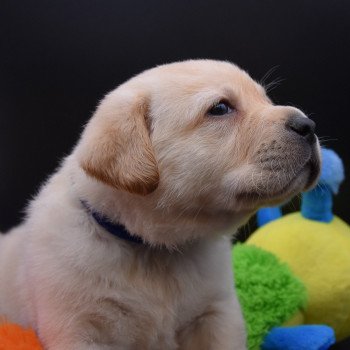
316 246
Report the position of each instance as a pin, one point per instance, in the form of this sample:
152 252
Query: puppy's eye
220 109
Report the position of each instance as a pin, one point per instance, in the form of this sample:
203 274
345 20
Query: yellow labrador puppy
127 245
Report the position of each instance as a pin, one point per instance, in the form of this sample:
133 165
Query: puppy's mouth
314 167
283 187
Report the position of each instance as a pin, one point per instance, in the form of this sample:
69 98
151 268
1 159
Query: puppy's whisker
272 85
267 75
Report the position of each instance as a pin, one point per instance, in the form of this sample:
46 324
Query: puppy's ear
116 147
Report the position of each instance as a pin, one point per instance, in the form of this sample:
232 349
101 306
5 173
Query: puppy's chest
151 306
174 297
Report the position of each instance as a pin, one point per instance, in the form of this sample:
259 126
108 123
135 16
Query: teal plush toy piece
317 204
314 245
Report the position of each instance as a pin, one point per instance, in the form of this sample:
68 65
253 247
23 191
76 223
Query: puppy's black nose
304 127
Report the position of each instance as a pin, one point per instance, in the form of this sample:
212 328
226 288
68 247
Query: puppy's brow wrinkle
111 303
98 329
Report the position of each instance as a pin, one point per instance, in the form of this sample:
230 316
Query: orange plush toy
14 337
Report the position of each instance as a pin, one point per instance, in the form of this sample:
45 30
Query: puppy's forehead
191 77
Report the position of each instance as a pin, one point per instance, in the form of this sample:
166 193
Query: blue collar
115 229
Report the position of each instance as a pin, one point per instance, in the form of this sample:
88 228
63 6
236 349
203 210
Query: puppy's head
201 136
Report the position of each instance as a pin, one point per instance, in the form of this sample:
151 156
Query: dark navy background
58 58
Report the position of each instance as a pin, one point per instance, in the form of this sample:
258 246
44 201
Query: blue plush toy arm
317 203
268 214
305 337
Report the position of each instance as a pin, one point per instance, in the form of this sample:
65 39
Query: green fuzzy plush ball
268 292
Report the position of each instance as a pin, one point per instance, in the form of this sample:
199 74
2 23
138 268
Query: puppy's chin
282 187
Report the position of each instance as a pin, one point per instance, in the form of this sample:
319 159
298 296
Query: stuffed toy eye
220 109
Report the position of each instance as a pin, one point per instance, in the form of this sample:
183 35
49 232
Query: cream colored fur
153 159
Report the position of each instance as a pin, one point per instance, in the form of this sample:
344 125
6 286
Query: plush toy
14 337
306 337
315 245
271 295
268 291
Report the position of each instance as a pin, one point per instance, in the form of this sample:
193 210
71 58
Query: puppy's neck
171 227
